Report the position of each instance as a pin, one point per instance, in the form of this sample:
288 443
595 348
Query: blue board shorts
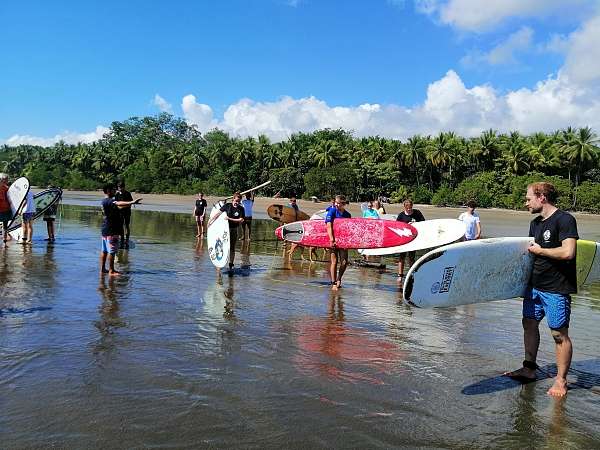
556 307
28 217
110 244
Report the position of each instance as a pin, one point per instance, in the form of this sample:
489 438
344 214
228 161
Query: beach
495 222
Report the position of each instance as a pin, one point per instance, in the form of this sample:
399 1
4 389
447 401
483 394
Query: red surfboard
349 233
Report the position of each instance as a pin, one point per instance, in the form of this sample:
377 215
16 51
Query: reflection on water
171 353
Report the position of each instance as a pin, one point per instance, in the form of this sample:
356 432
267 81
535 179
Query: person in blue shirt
337 255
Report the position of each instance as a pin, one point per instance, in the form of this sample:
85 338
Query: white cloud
482 15
197 113
68 137
503 53
450 106
582 63
162 104
557 43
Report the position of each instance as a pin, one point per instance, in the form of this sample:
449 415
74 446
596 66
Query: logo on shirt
547 235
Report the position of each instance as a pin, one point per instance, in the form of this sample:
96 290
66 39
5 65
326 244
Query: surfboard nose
279 232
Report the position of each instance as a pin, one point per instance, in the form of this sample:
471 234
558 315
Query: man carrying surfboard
409 215
337 211
235 216
5 211
553 280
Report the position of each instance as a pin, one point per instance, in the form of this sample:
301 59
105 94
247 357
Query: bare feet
114 273
334 287
559 388
523 374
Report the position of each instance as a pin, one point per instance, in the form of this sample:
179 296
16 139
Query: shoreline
495 221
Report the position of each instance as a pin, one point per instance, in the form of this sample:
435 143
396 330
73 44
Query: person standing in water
50 218
27 218
235 216
337 255
5 210
123 195
112 228
409 215
247 203
199 213
471 220
553 280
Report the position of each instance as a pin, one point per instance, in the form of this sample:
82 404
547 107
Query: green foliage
444 196
588 197
325 183
421 194
400 194
485 188
165 154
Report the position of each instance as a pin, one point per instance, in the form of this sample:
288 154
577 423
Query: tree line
164 154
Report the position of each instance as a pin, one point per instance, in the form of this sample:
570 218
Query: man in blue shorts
553 280
337 211
112 228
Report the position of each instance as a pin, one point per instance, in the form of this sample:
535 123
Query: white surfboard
17 194
43 201
484 270
218 237
432 233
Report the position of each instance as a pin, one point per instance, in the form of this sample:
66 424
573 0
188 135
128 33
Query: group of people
27 212
553 279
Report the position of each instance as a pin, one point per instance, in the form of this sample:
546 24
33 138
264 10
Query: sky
392 68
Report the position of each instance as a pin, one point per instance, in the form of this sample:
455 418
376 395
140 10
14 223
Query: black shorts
126 217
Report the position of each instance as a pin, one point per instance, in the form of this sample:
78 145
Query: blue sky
277 66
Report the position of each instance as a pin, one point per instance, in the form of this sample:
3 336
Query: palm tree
325 153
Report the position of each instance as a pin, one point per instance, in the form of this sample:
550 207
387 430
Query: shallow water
170 355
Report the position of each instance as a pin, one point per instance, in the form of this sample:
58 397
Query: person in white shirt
247 203
471 220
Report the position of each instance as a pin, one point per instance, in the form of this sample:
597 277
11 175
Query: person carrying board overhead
471 220
337 255
409 215
553 280
235 216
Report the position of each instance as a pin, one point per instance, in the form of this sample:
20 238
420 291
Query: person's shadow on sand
586 374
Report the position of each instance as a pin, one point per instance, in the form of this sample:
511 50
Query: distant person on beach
471 220
27 218
247 203
337 255
50 218
379 208
409 215
199 213
370 212
5 211
123 195
553 280
235 216
112 228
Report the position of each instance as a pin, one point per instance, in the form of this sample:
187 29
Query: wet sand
171 355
